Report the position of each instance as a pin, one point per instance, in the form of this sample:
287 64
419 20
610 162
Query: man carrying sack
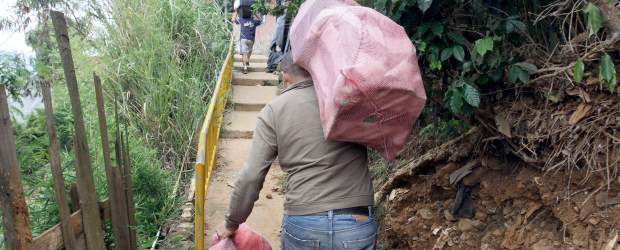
352 81
329 194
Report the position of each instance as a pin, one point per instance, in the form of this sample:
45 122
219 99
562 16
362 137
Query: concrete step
252 98
254 67
254 58
254 78
240 124
234 152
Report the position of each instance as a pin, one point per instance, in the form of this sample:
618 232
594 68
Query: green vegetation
13 73
159 59
165 58
480 55
471 49
468 49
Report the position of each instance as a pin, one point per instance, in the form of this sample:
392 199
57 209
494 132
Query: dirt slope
516 206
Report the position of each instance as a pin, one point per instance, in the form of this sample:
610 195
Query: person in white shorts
247 29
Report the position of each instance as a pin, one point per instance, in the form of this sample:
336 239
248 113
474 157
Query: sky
15 42
11 41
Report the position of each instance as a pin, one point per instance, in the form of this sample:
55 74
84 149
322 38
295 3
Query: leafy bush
469 50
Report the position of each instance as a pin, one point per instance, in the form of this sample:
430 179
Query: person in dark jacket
279 40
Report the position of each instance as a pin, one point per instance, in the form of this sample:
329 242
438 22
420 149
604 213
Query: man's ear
285 78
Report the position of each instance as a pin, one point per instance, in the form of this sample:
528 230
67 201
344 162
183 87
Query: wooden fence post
86 185
59 181
75 198
14 210
124 163
129 191
118 202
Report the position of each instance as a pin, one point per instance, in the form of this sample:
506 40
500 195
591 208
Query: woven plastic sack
226 244
244 239
365 73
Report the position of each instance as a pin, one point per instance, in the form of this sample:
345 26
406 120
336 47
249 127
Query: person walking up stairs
247 28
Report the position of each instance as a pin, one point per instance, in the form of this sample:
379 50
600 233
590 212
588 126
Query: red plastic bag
226 244
244 239
365 73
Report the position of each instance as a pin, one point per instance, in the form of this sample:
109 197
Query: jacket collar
299 85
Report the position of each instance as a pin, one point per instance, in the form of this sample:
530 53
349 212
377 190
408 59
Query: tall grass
163 57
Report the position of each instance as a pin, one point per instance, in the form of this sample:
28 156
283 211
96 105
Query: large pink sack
365 73
244 239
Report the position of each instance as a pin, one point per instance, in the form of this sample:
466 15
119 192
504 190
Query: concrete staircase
250 94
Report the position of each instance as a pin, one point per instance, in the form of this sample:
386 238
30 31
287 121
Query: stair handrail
207 145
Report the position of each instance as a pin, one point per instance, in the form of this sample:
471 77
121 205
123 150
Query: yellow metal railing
207 145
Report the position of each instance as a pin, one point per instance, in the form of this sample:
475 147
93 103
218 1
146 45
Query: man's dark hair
287 65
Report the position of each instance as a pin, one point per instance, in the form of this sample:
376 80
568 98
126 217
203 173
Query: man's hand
223 232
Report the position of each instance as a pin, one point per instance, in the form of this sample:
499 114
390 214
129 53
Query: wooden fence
207 145
82 229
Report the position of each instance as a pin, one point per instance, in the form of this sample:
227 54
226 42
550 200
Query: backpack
365 72
244 10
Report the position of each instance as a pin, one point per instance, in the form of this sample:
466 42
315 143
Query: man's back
247 28
322 175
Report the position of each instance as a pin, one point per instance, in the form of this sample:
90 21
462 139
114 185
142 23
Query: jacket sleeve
252 176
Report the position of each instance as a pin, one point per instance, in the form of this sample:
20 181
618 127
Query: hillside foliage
157 59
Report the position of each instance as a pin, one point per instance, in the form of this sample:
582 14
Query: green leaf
446 53
399 8
421 45
435 64
467 66
455 102
493 59
483 45
381 5
421 30
459 83
458 52
524 76
578 70
433 58
423 5
595 18
512 25
521 72
471 96
457 38
437 29
607 72
530 68
434 50
513 73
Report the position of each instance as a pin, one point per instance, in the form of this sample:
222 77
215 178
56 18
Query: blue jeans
327 232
